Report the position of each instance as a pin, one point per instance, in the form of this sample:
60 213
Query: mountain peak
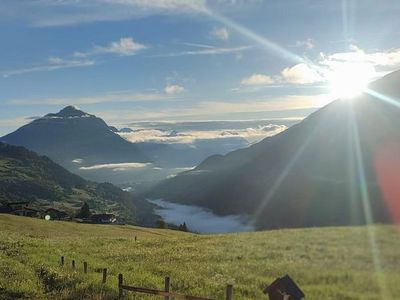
69 112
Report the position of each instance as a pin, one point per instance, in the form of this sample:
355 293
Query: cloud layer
301 74
191 136
258 79
172 89
112 97
220 33
117 167
70 12
125 47
53 63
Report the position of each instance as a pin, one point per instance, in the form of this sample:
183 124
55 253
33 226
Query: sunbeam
264 42
382 97
278 182
375 252
282 175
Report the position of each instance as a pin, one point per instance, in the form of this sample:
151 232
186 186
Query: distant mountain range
26 176
86 145
316 173
71 135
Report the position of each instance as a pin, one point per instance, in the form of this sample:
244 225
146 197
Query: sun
349 80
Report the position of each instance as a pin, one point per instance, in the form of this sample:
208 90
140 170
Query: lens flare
349 80
366 201
387 165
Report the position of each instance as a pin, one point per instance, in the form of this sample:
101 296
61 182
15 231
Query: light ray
375 252
282 175
278 182
345 19
383 97
264 42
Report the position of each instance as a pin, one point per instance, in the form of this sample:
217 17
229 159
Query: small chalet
27 212
18 205
56 214
284 288
103 218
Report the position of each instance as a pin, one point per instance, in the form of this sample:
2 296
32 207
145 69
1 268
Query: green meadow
327 263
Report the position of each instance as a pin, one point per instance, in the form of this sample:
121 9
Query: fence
166 293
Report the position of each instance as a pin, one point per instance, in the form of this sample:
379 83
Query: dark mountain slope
73 134
308 175
26 176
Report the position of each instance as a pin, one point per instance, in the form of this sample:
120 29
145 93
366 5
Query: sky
141 60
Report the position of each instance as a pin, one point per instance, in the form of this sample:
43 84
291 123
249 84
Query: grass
327 263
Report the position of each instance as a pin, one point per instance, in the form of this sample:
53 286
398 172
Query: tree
161 224
183 227
84 212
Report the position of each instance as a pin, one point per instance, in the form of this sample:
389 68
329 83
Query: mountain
334 168
72 135
181 155
85 145
26 176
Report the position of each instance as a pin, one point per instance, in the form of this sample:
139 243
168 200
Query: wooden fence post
135 238
167 285
62 260
73 264
229 292
104 275
85 267
120 283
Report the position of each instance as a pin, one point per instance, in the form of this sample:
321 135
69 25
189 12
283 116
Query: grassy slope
24 175
328 263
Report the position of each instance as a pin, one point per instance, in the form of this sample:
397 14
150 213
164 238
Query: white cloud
207 51
125 47
328 66
386 58
69 12
112 97
301 74
282 103
215 109
173 89
117 167
220 33
189 137
258 79
308 43
16 122
54 63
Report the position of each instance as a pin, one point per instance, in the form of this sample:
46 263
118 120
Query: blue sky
128 60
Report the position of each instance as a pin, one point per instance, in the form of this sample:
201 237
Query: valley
199 150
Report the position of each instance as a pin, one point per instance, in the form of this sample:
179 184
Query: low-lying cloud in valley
118 167
199 219
166 134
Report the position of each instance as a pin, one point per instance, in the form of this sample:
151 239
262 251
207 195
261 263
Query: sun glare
349 80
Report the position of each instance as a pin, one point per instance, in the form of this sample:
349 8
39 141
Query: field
327 263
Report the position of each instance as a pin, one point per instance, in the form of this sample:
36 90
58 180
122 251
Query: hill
26 176
315 173
327 263
72 136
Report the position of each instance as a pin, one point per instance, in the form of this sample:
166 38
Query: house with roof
102 219
21 208
56 214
